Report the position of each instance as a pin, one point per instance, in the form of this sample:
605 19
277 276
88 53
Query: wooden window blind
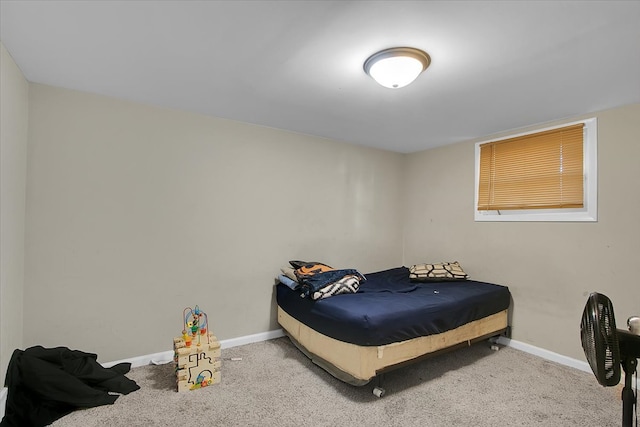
535 171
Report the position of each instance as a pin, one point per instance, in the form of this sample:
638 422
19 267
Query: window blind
535 171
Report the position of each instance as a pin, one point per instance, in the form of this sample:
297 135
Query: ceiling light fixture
397 67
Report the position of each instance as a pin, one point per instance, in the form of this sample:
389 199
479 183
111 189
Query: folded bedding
318 281
312 284
388 307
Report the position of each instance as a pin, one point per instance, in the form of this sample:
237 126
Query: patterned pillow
437 272
346 285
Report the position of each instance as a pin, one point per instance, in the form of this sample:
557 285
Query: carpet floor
276 385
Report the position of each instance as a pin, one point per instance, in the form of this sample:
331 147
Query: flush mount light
397 67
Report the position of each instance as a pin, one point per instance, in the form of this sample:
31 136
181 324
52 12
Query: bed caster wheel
495 347
378 391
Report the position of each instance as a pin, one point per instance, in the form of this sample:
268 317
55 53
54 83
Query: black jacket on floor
45 384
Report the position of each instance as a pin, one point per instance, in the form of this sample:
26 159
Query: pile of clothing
317 280
45 384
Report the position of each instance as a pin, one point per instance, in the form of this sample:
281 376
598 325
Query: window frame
588 213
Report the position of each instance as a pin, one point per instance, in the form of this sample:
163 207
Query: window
547 175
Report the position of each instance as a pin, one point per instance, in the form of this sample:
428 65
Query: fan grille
600 339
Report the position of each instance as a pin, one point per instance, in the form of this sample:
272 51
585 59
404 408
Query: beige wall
13 169
135 212
549 267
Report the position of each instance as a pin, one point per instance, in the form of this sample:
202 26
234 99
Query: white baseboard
554 357
248 339
545 354
167 356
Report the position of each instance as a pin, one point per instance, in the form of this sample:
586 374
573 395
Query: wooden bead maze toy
196 352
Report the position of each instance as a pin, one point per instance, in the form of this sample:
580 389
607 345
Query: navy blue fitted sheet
389 308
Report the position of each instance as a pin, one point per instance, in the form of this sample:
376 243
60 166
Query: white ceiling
297 65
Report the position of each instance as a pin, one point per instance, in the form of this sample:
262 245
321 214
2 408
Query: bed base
359 365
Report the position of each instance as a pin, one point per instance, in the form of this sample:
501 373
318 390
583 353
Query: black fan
607 348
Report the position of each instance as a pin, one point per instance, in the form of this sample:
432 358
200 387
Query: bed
391 321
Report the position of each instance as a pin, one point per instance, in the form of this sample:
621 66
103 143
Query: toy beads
194 320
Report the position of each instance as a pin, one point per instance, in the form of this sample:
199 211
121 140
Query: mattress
358 365
390 308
